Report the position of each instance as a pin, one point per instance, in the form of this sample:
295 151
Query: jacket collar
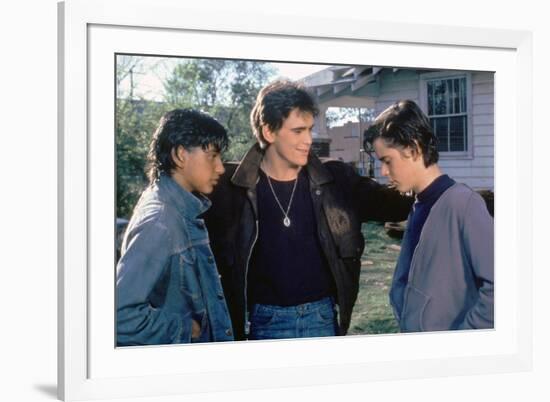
318 173
247 172
188 204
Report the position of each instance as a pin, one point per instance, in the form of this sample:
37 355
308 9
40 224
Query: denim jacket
167 276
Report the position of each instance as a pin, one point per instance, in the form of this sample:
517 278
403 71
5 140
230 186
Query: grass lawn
372 313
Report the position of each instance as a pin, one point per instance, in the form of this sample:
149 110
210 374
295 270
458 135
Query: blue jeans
306 320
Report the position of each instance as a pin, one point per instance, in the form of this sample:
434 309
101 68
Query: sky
296 71
149 83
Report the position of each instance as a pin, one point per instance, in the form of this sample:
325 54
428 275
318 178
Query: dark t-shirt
288 266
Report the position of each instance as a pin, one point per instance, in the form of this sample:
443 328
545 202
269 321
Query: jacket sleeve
377 202
479 247
144 263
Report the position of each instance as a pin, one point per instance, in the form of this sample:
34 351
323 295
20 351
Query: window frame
423 96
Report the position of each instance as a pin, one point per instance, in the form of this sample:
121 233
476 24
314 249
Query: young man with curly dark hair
168 287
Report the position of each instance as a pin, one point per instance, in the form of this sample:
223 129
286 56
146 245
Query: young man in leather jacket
285 228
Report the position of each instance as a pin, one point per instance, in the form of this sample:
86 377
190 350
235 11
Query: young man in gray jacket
444 275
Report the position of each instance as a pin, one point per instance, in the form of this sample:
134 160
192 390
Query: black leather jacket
341 199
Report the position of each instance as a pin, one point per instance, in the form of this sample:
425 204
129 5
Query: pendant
286 221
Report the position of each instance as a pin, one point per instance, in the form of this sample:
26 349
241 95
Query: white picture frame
90 367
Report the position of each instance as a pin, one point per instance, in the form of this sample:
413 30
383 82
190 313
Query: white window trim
423 96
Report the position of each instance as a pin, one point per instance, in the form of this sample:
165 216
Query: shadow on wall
47 389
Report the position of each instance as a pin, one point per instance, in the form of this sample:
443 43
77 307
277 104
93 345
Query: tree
136 120
336 116
226 89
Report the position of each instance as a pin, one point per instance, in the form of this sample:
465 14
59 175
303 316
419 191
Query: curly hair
182 127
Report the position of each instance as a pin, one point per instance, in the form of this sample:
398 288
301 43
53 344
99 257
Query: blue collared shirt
167 275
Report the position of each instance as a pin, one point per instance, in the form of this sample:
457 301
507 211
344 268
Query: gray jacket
450 282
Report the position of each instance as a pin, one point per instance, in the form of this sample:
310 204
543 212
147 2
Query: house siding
475 170
343 145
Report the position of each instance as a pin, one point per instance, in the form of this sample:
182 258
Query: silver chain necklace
286 220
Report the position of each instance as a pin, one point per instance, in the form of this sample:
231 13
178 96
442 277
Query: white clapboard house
460 105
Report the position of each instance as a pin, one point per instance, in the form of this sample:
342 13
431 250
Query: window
447 111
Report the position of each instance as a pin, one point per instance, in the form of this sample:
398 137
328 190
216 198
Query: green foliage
136 121
226 89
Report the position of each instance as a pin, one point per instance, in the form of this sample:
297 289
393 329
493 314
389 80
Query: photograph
262 200
274 201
